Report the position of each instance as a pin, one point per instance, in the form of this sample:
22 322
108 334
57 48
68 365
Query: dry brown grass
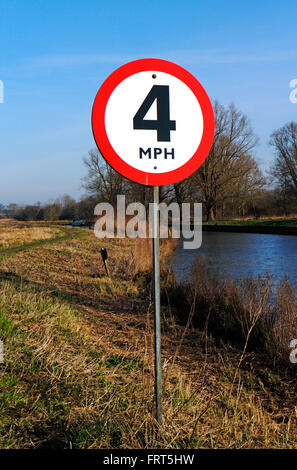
16 236
79 360
73 380
285 318
248 310
142 253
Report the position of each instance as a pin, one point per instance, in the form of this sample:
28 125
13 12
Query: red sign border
104 145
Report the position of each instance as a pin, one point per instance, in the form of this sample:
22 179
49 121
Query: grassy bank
257 222
78 369
278 226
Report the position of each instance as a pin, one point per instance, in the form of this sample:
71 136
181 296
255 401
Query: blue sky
56 54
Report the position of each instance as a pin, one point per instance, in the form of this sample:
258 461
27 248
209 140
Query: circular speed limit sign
153 122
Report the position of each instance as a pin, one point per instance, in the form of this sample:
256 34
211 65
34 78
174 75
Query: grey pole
158 366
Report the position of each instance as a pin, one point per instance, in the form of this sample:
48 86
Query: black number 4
162 124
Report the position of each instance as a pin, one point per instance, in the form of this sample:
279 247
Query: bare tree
52 211
69 207
182 191
284 170
229 165
86 210
102 181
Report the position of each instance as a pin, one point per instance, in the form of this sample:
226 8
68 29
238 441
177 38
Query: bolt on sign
154 124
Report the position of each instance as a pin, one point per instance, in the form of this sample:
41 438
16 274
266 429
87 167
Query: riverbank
78 369
280 226
273 230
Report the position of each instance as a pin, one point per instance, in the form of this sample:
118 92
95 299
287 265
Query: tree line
62 208
229 183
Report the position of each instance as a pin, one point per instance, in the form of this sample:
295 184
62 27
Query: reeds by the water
248 314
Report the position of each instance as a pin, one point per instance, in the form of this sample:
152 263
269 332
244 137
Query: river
237 255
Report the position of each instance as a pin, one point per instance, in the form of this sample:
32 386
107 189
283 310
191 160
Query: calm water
238 255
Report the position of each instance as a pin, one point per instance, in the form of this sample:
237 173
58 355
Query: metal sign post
157 339
162 148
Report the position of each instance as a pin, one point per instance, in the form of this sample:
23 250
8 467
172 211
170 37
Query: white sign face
153 122
146 149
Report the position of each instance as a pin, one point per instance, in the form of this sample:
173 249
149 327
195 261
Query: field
20 236
78 370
